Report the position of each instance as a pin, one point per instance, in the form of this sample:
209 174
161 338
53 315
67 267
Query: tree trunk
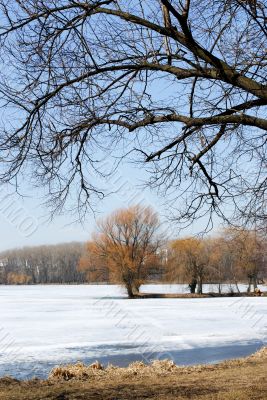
130 291
136 287
237 287
192 286
220 288
200 286
255 281
249 284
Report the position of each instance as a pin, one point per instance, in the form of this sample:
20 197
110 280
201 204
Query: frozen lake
42 326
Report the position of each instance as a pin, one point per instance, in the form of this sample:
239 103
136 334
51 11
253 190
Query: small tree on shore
127 244
191 258
248 249
222 262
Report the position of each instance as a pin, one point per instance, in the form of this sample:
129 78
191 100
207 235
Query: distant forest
232 257
42 264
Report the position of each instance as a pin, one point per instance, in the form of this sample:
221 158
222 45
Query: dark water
206 355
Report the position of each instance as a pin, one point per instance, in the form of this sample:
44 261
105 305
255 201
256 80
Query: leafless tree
180 84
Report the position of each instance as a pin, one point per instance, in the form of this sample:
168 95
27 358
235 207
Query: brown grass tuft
80 371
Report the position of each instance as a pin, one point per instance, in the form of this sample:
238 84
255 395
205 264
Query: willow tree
179 85
191 256
127 244
249 254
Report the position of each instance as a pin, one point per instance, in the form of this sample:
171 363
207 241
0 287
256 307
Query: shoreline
239 379
194 295
153 295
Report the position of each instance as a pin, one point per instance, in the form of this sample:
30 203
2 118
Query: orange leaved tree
92 265
191 258
249 251
127 245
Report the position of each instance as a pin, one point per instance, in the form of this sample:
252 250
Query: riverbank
196 295
242 379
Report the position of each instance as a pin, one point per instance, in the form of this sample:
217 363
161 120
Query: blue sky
26 222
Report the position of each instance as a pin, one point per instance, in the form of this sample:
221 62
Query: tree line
233 256
128 248
42 264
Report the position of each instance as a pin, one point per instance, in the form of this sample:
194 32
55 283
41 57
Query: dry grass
242 379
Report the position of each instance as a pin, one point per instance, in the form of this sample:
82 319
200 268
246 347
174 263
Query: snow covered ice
42 326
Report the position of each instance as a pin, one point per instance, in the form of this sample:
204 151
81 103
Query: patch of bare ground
240 379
